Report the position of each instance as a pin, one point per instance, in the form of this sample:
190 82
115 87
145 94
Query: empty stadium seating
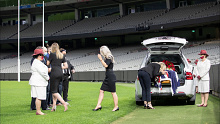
126 58
10 30
113 22
89 25
183 13
50 28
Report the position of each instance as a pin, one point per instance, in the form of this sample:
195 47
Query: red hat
38 51
203 52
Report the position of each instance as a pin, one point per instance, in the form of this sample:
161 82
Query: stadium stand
183 13
50 28
212 48
10 30
89 25
126 58
132 20
113 22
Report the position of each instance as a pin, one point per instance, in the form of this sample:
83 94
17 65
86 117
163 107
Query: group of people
50 69
200 74
57 64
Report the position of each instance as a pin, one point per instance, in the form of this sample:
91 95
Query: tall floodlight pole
43 25
18 40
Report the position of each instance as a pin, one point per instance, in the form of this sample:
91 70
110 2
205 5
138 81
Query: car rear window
174 58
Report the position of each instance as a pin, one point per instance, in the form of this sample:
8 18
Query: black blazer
152 69
70 66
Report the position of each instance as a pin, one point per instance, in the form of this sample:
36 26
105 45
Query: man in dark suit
67 76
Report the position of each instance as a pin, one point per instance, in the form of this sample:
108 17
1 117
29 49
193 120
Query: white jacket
39 75
203 69
195 72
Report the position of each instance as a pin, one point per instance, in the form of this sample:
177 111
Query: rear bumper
167 94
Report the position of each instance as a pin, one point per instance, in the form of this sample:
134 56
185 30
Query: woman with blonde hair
110 78
56 58
145 75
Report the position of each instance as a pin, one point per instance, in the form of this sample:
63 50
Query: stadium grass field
15 107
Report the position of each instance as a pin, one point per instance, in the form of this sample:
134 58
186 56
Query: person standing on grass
67 75
39 79
43 102
203 67
110 78
145 75
56 58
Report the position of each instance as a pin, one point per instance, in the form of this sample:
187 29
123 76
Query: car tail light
189 76
180 92
137 78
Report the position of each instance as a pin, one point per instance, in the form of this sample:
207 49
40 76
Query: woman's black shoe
145 106
97 109
116 109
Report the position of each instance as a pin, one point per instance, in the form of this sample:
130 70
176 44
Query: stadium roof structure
71 5
60 6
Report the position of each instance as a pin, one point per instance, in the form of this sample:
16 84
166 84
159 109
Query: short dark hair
35 56
62 49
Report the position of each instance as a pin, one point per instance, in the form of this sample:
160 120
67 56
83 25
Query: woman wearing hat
39 79
203 67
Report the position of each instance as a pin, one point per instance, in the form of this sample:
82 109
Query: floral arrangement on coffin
170 65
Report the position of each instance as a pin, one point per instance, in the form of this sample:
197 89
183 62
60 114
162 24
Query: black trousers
145 82
43 104
65 87
49 99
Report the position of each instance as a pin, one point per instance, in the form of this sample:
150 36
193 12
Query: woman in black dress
145 75
55 60
110 78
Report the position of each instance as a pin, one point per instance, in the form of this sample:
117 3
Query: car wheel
190 102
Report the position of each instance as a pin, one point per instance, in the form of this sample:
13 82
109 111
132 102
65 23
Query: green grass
15 107
176 114
16 98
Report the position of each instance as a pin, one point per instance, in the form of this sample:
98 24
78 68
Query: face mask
42 58
45 54
201 57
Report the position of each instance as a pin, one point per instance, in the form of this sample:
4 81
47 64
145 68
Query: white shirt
203 69
39 75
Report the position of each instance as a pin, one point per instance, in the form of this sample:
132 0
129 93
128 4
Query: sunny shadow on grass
15 104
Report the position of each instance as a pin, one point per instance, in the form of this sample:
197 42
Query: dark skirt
109 81
56 77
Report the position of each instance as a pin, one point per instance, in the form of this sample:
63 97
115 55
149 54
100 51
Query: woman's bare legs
101 96
206 95
54 103
202 98
38 105
115 98
196 89
57 96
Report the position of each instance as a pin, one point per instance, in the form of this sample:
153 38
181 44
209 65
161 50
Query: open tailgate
164 43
